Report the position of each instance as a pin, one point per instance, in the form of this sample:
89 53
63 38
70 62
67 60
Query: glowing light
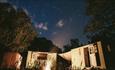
48 65
61 38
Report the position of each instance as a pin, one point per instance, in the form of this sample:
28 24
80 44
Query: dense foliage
16 31
102 23
101 26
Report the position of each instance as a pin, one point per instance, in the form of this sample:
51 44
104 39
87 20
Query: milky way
57 20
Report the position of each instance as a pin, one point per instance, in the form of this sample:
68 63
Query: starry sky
57 20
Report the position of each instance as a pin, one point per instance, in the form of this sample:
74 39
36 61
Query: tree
55 49
101 27
16 31
41 44
67 48
102 24
74 43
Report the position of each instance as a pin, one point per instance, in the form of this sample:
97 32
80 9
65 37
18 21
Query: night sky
57 20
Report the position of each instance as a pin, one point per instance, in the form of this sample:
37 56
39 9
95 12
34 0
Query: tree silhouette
16 31
74 43
101 26
41 44
67 48
55 49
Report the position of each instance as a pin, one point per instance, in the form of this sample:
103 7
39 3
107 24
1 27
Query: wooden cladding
81 58
92 54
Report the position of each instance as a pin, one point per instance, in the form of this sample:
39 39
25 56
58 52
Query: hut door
86 57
